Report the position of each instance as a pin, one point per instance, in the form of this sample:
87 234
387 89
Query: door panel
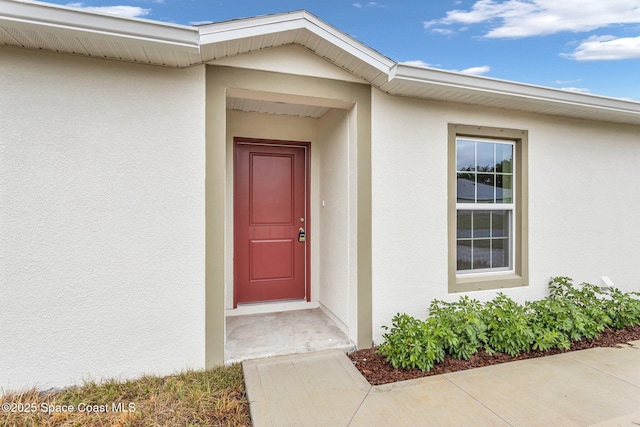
272 189
263 253
270 263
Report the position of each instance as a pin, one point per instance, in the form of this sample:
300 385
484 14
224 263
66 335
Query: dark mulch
377 370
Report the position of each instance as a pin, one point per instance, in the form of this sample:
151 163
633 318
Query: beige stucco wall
338 212
102 219
291 59
581 204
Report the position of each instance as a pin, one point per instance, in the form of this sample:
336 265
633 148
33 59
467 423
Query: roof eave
299 20
402 76
61 20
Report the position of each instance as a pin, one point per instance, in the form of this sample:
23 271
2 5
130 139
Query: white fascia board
77 22
407 73
271 24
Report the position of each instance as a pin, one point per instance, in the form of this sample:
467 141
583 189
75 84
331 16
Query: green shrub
508 326
460 328
464 320
567 314
549 322
622 308
412 343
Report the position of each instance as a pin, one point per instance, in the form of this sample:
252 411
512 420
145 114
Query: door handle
301 235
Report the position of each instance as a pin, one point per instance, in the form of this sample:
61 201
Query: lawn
213 397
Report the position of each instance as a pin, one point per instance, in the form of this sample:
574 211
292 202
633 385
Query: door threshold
271 307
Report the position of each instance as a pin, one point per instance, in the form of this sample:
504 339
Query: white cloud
416 63
524 18
575 89
564 82
606 48
126 11
367 4
443 31
476 71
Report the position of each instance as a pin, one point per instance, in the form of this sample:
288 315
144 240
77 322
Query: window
487 208
484 205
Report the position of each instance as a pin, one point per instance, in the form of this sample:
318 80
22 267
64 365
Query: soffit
56 28
44 26
282 104
277 108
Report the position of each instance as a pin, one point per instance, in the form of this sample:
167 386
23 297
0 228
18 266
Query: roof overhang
448 86
64 29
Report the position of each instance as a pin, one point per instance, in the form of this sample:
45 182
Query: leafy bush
465 324
508 326
460 328
412 343
550 322
622 308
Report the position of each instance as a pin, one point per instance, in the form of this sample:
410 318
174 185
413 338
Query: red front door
271 232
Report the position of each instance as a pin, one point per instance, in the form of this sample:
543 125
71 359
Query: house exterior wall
102 220
292 59
337 214
580 176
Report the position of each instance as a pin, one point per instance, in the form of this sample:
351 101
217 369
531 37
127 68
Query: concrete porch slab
256 336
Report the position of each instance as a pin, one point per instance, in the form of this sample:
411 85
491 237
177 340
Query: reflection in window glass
484 177
485 188
485 171
466 156
485 157
483 239
504 188
481 224
464 224
504 158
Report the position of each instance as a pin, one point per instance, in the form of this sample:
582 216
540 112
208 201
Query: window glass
504 158
504 188
484 179
485 188
485 159
466 156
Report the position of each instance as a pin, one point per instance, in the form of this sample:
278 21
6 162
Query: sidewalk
599 387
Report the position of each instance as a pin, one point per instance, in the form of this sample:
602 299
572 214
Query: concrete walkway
595 387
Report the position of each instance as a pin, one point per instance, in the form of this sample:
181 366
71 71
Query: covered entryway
271 207
294 218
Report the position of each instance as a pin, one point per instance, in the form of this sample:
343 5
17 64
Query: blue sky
589 46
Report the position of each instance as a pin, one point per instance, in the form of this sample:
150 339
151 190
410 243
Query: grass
214 397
